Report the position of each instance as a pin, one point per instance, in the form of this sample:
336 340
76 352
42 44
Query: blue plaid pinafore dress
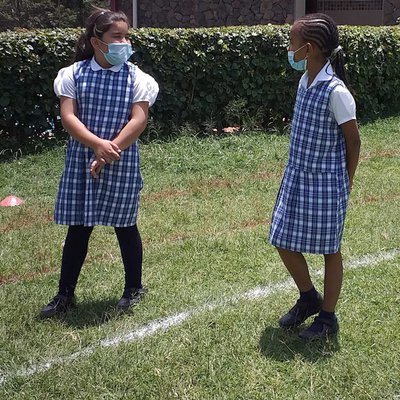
104 99
311 206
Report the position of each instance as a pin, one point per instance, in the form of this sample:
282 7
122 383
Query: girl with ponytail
104 103
98 23
323 155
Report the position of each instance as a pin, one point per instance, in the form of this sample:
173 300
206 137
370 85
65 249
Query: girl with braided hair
310 210
104 103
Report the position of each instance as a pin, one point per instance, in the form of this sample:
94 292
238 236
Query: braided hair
321 30
97 24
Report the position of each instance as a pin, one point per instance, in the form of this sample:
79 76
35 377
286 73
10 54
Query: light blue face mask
297 65
117 53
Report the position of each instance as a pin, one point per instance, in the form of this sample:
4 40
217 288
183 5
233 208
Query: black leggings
76 247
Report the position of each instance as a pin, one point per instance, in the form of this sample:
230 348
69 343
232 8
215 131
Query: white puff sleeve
145 88
64 84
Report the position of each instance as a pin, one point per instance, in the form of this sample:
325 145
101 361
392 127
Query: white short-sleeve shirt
341 102
145 88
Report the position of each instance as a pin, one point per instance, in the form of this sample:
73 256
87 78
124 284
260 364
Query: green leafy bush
29 63
203 74
201 71
373 65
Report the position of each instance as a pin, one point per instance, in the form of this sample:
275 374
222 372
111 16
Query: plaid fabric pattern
311 206
104 101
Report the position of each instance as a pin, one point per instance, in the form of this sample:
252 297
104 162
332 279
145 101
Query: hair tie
100 14
335 51
95 23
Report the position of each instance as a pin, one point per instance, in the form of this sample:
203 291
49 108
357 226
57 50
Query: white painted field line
163 324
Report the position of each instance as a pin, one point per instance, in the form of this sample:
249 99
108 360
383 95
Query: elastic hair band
100 14
335 51
95 22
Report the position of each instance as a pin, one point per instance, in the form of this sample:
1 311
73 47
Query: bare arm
136 125
353 144
104 149
129 133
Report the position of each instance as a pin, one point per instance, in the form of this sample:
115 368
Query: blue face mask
117 53
297 65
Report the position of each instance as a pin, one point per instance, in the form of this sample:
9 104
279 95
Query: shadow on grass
90 313
282 345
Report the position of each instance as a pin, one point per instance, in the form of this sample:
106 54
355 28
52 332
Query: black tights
76 247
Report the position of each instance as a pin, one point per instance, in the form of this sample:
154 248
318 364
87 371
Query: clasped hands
106 152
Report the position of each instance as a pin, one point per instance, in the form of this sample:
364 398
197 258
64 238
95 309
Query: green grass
204 219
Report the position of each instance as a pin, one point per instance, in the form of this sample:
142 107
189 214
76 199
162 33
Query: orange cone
11 201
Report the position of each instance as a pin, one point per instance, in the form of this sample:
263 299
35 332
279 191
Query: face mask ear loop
297 65
306 56
304 45
103 43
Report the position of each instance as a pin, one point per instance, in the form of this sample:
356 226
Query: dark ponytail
337 61
322 30
97 24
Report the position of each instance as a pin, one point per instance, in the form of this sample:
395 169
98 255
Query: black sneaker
58 305
130 298
300 312
321 328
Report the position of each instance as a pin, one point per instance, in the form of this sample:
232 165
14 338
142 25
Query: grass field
208 327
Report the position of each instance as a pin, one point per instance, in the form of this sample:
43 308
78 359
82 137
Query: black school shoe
300 312
130 298
321 328
58 305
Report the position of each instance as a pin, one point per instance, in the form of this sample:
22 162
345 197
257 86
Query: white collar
326 74
96 67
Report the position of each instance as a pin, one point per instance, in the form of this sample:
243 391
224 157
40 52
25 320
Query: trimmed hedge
29 63
200 72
